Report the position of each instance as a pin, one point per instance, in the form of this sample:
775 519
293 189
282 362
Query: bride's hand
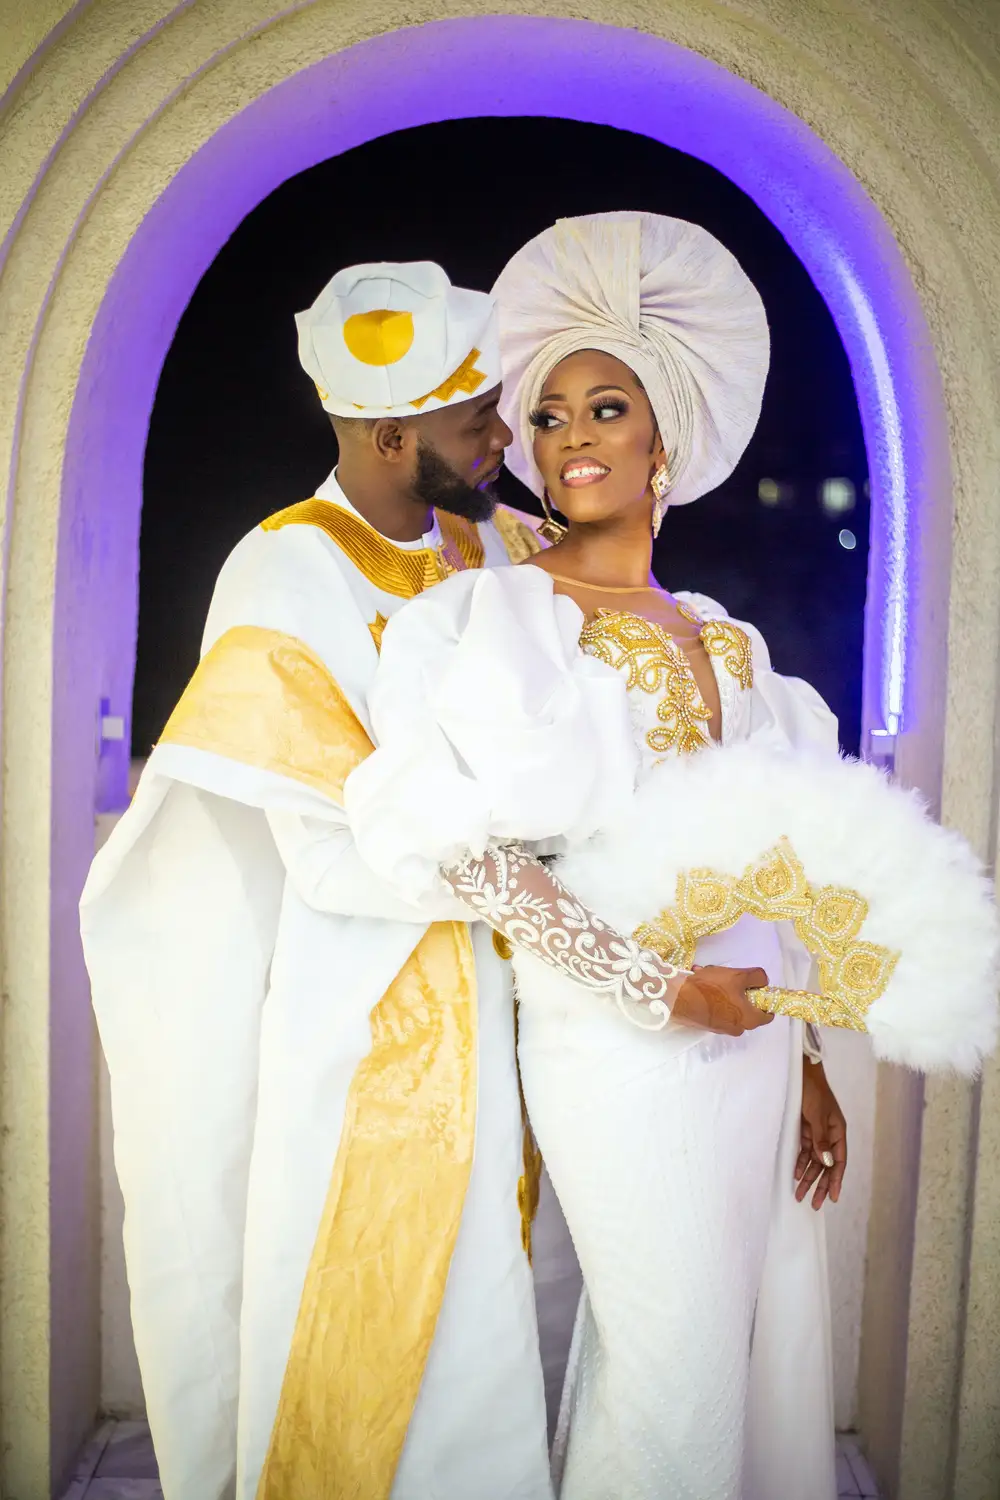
716 999
823 1158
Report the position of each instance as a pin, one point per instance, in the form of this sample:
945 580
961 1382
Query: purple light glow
507 66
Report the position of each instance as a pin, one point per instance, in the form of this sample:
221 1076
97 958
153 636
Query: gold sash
380 1262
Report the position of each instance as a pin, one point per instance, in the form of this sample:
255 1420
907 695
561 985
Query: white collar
330 490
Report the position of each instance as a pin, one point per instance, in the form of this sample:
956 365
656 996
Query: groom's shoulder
307 535
289 553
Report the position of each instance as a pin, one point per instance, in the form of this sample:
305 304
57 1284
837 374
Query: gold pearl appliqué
655 663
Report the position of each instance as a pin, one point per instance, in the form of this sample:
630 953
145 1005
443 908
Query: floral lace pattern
521 899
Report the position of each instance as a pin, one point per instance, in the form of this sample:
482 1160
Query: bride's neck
605 556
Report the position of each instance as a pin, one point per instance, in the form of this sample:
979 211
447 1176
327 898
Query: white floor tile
129 1454
88 1461
847 1485
862 1474
857 1472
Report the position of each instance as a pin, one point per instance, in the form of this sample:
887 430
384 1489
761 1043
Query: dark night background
237 432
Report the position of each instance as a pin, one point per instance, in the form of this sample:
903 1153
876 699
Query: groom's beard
438 486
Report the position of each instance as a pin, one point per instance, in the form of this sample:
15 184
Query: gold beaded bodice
669 712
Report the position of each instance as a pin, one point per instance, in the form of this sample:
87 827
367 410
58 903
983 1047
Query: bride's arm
522 900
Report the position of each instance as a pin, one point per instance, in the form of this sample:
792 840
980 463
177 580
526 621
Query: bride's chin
578 506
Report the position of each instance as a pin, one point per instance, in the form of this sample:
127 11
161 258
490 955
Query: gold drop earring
660 485
550 529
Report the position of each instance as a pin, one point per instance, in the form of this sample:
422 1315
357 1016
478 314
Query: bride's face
596 443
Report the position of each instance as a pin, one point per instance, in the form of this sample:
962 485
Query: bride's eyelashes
616 405
603 408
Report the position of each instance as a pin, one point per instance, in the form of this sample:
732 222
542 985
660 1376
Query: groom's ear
391 438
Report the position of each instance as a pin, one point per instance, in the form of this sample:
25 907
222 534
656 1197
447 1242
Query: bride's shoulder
710 609
791 707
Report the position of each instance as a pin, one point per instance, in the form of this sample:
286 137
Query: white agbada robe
234 999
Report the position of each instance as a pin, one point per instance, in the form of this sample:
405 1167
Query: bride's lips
576 472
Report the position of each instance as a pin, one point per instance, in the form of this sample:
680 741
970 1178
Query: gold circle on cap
379 337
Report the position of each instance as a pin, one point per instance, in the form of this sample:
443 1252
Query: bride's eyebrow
595 390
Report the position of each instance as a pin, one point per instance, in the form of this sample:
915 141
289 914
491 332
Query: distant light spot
770 492
837 496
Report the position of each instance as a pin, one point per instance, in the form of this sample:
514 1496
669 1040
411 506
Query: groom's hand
716 999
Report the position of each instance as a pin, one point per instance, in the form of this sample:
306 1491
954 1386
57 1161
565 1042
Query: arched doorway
86 501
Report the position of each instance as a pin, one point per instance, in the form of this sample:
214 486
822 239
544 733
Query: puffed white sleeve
494 730
490 725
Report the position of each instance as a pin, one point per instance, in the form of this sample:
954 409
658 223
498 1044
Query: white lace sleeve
519 897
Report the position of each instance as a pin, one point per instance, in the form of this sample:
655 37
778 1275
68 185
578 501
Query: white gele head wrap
389 340
669 301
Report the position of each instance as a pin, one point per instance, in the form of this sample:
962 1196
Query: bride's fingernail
826 1157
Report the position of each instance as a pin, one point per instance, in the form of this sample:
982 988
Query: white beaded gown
672 1155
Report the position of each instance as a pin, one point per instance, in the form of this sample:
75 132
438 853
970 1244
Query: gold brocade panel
265 700
379 1268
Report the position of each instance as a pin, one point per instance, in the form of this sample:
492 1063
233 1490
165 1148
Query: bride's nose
576 433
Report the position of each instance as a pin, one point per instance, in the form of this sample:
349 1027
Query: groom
318 1130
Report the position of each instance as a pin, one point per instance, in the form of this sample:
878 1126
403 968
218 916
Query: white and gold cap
389 340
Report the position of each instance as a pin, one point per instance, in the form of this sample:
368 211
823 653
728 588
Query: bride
528 703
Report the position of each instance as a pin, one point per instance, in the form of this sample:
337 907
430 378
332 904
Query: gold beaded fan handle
803 1005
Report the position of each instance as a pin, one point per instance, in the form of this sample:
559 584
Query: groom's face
459 449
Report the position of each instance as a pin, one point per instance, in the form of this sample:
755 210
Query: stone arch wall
116 102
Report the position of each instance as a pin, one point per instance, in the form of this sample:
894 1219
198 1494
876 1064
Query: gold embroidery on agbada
774 888
400 571
520 541
380 1261
376 627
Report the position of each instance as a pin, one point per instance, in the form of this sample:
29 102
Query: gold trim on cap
466 379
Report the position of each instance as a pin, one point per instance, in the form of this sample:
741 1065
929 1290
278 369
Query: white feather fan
925 920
